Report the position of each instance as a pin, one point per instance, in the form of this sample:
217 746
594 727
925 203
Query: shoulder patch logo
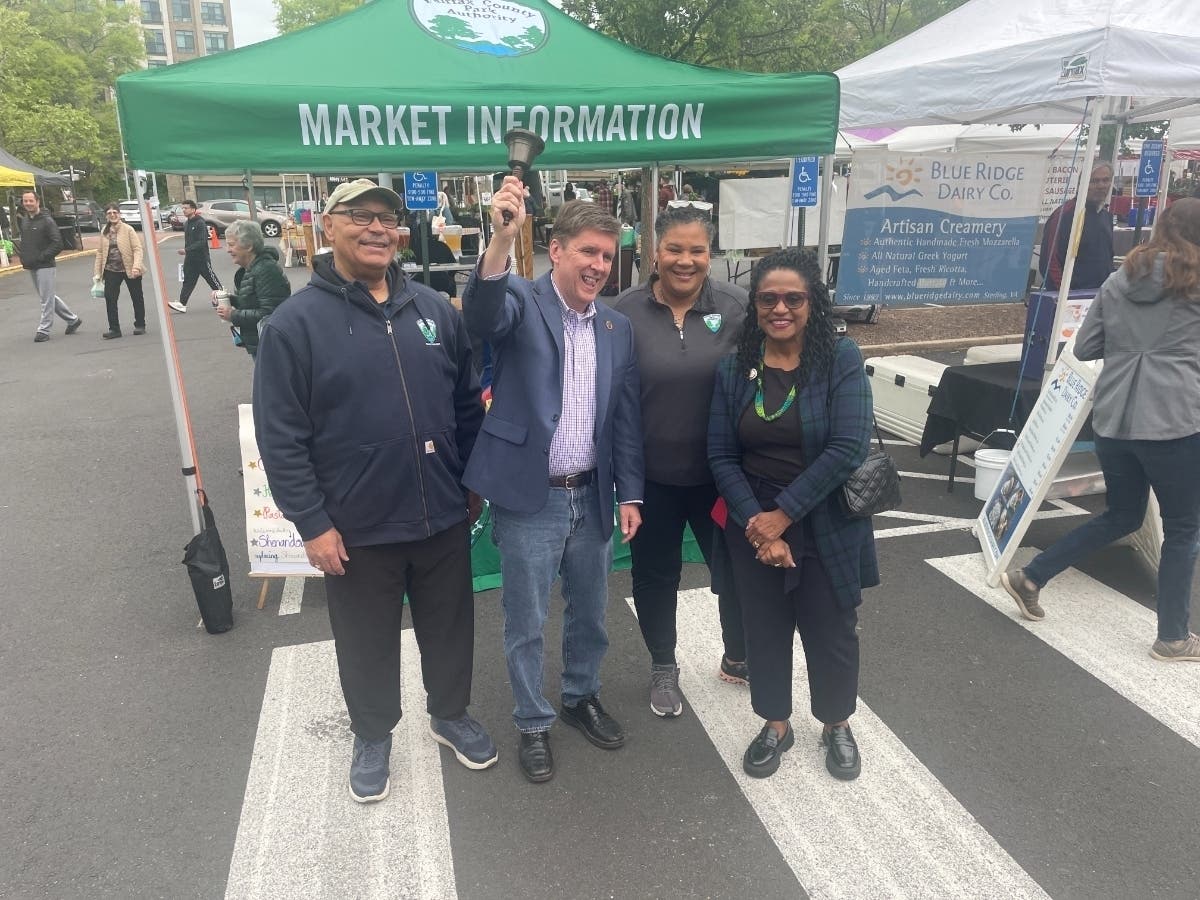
428 330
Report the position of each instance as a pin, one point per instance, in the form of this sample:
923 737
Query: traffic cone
213 240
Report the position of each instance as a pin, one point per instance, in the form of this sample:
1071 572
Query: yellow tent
15 178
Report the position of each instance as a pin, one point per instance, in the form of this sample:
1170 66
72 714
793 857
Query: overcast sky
253 21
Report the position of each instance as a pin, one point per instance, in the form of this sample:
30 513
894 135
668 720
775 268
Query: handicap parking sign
421 190
804 181
1149 169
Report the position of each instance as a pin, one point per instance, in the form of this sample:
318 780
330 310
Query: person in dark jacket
791 420
683 323
261 284
196 261
40 243
366 408
1094 259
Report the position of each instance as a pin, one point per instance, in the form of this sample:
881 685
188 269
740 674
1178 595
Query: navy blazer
835 419
510 464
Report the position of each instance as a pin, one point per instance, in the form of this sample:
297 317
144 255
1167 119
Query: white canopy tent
1035 61
981 139
1027 61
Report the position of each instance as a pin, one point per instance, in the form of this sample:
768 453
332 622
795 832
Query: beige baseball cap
352 190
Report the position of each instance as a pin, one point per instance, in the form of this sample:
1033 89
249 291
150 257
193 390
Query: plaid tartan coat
835 419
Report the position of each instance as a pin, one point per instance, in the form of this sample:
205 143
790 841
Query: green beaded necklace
759 409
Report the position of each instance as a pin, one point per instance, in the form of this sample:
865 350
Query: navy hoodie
366 413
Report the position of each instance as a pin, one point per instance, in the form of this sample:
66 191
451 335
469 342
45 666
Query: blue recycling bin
1147 216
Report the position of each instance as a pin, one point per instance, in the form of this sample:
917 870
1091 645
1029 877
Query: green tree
292 15
58 64
449 28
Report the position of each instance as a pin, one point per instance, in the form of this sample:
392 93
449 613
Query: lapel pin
608 324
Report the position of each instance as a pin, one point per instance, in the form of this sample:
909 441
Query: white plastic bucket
988 466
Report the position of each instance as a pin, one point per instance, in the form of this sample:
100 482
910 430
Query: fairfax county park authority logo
496 27
903 174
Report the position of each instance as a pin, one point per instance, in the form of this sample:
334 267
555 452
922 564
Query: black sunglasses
766 300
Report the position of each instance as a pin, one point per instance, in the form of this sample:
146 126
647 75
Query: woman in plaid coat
790 420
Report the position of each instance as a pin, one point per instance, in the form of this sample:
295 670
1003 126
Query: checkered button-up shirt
573 447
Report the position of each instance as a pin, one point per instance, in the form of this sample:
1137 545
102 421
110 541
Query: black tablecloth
976 400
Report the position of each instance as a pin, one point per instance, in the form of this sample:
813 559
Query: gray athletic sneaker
369 770
1187 650
1025 592
665 699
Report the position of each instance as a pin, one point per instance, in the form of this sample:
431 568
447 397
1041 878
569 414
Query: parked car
131 211
222 213
173 217
89 213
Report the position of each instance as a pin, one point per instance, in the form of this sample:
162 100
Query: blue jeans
1131 469
563 538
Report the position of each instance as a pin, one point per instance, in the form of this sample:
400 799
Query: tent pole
1089 157
1164 182
826 209
649 214
124 162
791 210
166 333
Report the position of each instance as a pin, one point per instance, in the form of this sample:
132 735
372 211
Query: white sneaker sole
666 713
466 761
387 789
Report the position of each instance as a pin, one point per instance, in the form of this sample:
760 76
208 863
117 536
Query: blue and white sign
1149 169
421 190
945 229
804 181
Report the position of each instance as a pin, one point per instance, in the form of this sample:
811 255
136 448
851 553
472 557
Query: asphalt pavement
142 757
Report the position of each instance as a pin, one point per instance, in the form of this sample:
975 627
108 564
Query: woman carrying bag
119 261
790 422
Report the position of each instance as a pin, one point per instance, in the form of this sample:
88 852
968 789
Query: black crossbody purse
873 487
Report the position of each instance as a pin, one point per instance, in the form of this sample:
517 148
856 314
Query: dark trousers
1131 469
656 552
776 603
112 291
194 269
365 607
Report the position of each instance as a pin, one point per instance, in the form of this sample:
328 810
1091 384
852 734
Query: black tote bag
208 569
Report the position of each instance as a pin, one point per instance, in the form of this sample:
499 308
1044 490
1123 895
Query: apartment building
179 30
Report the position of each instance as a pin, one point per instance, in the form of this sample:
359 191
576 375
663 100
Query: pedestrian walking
197 263
40 244
119 261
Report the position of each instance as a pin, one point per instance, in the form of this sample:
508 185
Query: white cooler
901 387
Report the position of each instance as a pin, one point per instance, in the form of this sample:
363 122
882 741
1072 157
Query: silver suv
222 213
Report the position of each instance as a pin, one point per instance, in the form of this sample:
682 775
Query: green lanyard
759 409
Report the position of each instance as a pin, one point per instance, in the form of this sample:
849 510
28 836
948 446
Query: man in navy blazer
563 431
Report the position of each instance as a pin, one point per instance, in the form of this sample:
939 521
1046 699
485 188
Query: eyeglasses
766 300
365 217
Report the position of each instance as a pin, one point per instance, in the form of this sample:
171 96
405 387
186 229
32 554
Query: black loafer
841 753
533 752
765 751
597 726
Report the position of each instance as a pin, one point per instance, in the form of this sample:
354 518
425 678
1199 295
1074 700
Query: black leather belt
578 480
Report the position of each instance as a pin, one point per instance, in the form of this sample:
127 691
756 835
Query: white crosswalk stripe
300 834
895 832
1103 632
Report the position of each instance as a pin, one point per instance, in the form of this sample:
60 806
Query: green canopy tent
435 84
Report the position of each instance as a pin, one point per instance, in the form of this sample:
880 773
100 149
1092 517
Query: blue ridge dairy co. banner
939 229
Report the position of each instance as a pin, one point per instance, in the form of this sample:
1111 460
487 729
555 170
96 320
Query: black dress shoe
765 751
533 752
841 753
597 726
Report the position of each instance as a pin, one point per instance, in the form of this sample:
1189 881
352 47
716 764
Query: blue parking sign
804 181
421 190
1149 169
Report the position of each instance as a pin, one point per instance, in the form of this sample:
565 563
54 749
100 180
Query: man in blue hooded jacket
366 408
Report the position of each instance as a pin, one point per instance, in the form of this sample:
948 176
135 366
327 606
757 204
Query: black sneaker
110 334
733 672
369 780
41 337
73 327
